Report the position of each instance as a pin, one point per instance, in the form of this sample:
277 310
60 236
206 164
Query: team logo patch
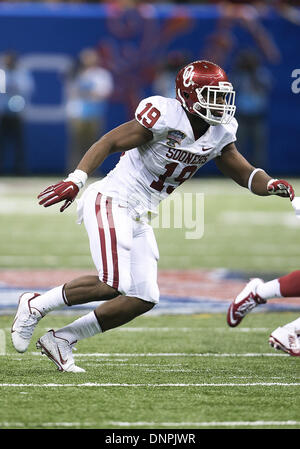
175 137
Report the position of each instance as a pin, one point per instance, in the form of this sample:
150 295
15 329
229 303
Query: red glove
281 187
64 190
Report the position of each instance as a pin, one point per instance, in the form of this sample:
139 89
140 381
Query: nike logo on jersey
206 149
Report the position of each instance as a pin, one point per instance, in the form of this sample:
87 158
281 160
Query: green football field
168 371
158 372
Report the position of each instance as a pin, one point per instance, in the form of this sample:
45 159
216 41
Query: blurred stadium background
142 45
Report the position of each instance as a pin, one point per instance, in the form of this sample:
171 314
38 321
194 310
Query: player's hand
63 191
281 187
66 190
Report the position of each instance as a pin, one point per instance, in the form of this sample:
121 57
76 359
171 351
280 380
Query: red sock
290 284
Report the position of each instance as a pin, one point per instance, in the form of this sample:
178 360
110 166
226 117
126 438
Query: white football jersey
146 175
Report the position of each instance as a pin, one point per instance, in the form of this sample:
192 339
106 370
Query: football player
256 292
162 147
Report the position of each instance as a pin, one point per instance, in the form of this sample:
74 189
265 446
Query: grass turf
229 378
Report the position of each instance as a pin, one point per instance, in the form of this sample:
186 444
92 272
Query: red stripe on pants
113 238
102 236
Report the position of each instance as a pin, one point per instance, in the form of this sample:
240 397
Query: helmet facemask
208 103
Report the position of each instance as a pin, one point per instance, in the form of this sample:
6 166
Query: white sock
50 300
269 289
84 327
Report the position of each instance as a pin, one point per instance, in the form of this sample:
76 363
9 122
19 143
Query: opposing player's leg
287 338
290 285
257 292
244 302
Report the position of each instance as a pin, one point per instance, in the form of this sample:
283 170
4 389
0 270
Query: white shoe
59 350
244 302
286 339
25 321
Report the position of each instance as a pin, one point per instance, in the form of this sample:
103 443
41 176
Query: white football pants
124 251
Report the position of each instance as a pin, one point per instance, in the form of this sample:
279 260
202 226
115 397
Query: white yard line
158 385
159 354
51 259
6 424
171 354
155 425
162 354
204 424
258 218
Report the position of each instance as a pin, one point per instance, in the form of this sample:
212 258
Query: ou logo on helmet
188 76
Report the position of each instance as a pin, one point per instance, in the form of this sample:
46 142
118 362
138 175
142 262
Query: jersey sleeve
151 113
229 135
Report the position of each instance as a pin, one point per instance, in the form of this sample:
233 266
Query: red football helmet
203 89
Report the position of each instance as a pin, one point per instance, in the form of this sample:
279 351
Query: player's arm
233 164
123 138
